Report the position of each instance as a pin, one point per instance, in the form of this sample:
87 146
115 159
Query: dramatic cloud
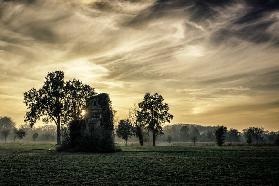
214 61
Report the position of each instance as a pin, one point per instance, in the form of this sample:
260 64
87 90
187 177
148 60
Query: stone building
94 132
99 112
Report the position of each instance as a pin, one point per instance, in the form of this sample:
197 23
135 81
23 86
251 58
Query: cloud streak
205 57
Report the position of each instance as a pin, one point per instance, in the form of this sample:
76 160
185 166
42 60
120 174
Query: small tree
233 135
5 133
35 136
194 134
125 130
6 125
220 135
154 112
138 126
169 139
20 133
194 140
253 134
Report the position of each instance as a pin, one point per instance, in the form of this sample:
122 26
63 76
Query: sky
216 62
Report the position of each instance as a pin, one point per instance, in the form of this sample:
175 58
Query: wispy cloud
205 57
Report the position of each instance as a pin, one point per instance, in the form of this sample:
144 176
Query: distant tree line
61 102
10 132
219 134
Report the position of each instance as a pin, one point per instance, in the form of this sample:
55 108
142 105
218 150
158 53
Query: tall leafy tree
220 135
125 130
6 125
57 101
153 112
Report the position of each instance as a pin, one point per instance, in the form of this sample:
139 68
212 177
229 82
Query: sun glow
83 113
86 70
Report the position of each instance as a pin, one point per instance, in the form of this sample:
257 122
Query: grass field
38 164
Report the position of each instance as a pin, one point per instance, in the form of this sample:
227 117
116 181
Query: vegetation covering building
95 131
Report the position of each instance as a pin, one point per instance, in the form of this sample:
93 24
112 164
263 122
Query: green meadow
40 164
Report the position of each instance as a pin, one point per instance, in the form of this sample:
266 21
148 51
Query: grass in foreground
36 164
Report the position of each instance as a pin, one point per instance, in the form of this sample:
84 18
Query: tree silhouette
194 139
153 112
35 136
233 135
125 130
76 95
6 125
138 126
169 139
194 134
20 133
253 133
220 135
56 101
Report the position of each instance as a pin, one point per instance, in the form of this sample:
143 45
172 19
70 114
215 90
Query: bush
221 135
99 140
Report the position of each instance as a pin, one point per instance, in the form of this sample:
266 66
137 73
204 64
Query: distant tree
154 112
194 134
35 136
6 125
56 101
270 136
138 126
220 135
20 133
169 139
194 139
253 134
5 133
233 135
276 141
184 133
125 130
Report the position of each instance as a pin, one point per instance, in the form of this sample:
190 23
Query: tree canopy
253 134
221 135
153 112
6 125
125 130
56 101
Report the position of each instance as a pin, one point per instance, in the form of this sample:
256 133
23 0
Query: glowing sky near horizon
215 62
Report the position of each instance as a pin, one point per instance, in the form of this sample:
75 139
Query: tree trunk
141 141
5 138
152 119
154 138
126 141
58 131
140 135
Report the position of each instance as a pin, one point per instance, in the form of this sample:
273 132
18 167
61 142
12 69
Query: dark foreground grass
39 165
